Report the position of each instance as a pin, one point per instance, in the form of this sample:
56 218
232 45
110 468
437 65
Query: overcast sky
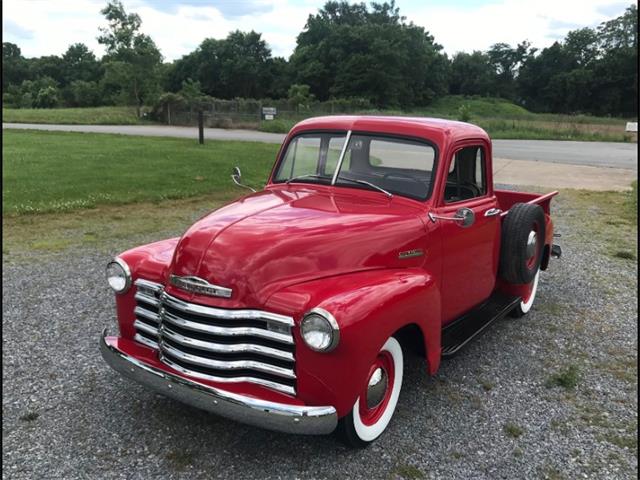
48 27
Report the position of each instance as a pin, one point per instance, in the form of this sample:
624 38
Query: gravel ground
491 412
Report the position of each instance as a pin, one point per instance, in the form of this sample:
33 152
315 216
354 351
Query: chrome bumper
270 415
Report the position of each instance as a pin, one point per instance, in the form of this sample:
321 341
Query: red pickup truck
293 307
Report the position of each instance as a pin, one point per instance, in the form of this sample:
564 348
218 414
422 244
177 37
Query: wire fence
251 113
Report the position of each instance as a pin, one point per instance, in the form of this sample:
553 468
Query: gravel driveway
506 407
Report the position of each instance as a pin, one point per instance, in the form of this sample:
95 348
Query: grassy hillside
450 105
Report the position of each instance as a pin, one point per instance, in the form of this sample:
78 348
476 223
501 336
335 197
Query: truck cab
293 307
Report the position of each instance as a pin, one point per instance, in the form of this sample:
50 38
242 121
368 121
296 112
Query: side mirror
466 217
236 176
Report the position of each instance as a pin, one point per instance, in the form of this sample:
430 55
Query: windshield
393 165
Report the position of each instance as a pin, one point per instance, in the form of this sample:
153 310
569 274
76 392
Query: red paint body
290 248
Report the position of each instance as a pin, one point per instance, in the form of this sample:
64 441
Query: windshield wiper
310 175
364 182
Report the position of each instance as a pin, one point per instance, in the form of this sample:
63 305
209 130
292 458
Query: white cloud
468 28
53 25
48 27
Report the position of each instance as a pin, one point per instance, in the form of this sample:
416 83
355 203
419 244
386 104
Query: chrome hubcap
531 243
377 387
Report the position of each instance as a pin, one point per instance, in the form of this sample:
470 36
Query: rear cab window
467 175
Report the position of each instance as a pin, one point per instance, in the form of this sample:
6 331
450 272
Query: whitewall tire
526 303
375 406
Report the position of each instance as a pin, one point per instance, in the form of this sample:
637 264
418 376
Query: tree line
367 54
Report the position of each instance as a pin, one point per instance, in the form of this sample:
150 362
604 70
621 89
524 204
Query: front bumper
270 415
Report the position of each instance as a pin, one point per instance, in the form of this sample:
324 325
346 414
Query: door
469 250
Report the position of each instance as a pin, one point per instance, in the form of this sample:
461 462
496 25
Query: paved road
597 154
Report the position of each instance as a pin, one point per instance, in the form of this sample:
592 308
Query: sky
48 27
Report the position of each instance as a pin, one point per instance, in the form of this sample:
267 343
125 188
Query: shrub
47 97
83 94
464 113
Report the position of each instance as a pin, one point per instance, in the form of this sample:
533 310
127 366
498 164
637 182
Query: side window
467 176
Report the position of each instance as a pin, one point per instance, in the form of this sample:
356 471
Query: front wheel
374 408
527 300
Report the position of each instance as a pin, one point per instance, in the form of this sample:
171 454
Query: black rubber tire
520 220
347 434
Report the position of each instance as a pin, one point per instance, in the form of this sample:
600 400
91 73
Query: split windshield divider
341 158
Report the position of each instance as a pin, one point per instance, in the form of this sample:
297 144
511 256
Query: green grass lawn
57 171
74 190
75 116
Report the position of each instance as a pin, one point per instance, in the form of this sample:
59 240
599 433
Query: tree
79 63
238 66
350 50
14 67
506 62
471 74
536 73
582 46
132 61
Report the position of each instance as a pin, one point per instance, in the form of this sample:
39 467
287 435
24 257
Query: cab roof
437 130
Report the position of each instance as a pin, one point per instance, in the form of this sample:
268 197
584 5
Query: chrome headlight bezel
126 274
331 329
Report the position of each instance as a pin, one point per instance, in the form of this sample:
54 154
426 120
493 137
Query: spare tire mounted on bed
523 235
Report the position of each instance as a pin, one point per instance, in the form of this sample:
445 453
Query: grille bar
192 373
223 345
228 365
148 299
138 325
226 331
224 348
146 314
145 341
212 312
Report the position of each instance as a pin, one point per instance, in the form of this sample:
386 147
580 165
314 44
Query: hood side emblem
199 285
418 252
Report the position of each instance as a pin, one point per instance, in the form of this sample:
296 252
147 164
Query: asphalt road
597 154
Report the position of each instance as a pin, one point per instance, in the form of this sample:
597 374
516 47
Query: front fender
150 262
369 307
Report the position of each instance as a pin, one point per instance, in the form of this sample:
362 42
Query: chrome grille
216 344
147 310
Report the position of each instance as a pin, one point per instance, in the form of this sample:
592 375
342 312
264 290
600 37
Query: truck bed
508 198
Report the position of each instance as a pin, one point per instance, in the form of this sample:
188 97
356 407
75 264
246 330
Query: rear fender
369 307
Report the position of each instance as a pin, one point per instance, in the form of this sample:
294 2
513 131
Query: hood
283 236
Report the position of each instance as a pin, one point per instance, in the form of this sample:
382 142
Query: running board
458 333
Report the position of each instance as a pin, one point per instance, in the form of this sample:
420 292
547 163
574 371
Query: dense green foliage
350 52
58 171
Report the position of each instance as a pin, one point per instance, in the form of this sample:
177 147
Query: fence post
200 127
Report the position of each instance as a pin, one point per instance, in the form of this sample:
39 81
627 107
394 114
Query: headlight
118 276
320 330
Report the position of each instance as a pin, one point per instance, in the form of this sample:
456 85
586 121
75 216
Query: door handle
492 212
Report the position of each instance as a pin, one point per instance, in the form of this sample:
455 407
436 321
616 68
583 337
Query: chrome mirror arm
236 175
434 217
464 215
